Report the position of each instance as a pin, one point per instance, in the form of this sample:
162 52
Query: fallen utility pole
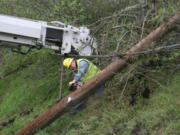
89 87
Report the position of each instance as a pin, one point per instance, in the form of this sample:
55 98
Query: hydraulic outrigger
89 87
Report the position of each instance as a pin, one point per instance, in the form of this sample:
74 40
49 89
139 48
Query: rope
60 83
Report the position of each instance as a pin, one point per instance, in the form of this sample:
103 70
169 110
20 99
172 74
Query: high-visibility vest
90 72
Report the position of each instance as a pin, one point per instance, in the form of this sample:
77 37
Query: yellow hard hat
67 62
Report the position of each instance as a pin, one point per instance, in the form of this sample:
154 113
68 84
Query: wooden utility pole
88 88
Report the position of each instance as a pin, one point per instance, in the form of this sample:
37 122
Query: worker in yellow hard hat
67 62
85 71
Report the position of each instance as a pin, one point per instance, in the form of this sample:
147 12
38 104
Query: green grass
35 87
33 83
154 116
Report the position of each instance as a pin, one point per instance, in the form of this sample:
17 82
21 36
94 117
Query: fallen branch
142 31
118 14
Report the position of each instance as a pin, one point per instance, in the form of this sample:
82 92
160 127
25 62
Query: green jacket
90 72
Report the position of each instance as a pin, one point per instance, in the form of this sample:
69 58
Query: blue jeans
99 91
81 105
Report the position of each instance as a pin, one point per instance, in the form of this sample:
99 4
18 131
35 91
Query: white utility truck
17 32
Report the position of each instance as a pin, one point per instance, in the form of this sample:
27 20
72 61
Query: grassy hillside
141 100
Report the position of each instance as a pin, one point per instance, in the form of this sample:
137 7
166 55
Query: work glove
71 82
75 85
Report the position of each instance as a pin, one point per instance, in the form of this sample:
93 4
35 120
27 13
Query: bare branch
115 15
145 18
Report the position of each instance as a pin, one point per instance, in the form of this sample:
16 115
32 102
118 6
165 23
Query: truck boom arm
17 32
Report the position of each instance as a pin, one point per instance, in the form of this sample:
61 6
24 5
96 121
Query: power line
121 55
